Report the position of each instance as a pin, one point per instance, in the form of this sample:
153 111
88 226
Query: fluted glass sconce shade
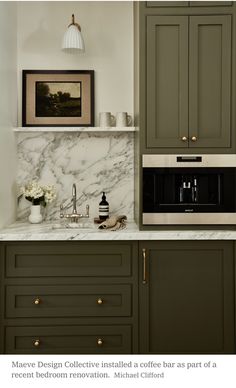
73 40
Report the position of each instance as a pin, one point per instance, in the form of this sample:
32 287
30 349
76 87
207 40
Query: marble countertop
52 231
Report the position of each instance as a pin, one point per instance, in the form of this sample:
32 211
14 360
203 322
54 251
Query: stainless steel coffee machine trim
218 160
189 218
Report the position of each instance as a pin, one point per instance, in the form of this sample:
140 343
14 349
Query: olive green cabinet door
187 3
167 81
210 3
209 81
167 3
187 297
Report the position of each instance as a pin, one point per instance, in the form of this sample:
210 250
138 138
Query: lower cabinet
123 297
187 297
69 297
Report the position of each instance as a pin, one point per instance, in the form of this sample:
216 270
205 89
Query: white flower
37 193
33 190
49 193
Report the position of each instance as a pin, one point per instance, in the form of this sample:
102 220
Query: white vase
35 216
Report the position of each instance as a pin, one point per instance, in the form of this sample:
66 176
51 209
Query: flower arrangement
39 194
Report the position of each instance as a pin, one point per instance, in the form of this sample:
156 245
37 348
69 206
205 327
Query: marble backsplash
96 162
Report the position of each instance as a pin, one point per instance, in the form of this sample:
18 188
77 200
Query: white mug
123 119
106 119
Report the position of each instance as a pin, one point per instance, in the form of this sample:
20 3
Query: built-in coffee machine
189 189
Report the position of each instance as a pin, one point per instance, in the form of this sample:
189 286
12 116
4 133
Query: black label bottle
103 208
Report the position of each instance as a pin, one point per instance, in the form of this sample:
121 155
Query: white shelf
74 129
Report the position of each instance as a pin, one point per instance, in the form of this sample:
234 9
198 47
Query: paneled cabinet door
167 3
188 89
210 3
167 81
187 3
187 297
209 81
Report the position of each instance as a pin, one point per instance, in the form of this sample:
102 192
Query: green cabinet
69 297
155 4
188 82
210 3
187 297
167 3
157 297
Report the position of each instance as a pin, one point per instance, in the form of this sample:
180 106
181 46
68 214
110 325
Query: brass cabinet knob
184 138
99 301
36 343
193 138
100 342
37 301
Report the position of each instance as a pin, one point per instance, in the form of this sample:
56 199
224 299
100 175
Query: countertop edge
20 231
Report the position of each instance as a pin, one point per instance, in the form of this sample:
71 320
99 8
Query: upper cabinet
167 3
186 94
209 3
188 3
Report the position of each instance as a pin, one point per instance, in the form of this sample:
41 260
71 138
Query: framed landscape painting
58 98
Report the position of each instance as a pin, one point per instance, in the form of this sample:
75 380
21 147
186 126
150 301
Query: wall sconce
73 39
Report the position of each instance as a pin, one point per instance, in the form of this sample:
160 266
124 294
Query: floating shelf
74 129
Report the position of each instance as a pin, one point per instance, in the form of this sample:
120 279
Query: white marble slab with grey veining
51 231
96 162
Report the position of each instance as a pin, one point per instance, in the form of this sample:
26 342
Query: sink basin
85 225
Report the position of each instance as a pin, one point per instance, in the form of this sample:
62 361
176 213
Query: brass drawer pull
100 301
144 266
100 342
184 138
37 343
37 301
194 138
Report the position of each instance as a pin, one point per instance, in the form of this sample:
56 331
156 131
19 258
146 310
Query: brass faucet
74 216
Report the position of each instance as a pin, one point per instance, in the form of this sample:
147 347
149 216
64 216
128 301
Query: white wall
8 111
107 28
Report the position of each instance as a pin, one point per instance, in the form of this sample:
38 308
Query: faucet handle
61 211
87 211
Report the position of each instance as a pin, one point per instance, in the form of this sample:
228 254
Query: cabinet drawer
62 259
68 340
68 301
